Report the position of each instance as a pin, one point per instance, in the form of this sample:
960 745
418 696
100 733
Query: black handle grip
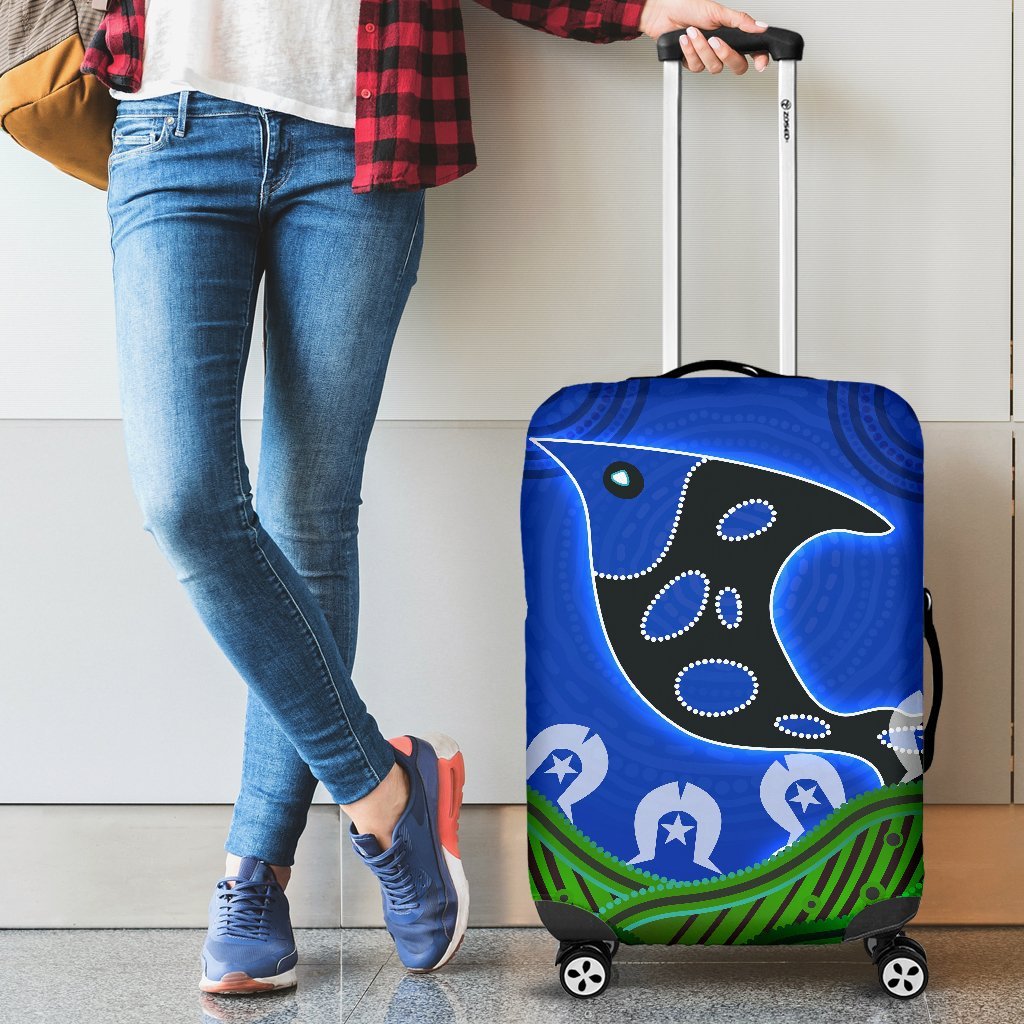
720 364
728 365
928 751
780 43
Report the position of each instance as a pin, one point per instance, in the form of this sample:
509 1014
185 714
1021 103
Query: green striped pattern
866 851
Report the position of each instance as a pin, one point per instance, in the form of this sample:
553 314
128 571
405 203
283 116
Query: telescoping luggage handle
786 48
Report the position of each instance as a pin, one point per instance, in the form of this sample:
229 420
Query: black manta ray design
717 669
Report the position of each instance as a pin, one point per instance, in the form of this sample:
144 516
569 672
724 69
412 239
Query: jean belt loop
179 128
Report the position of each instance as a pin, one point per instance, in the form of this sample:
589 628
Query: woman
293 144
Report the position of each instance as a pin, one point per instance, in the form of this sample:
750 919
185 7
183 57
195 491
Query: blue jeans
206 196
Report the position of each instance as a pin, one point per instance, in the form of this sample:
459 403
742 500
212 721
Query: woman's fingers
761 59
693 62
702 48
735 62
713 54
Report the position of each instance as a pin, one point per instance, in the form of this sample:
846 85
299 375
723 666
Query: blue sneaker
423 887
249 946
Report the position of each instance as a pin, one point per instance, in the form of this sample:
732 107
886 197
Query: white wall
541 268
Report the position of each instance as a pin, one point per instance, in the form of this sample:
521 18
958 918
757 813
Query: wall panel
115 693
542 267
968 567
904 205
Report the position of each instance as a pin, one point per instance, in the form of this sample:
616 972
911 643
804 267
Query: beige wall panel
71 864
1018 689
965 883
968 560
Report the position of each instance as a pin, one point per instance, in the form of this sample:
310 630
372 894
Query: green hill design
864 852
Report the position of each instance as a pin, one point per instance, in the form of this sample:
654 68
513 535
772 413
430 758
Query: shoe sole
239 983
451 777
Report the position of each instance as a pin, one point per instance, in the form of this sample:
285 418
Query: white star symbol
804 796
676 830
561 767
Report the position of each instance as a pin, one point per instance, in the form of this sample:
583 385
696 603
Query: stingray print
685 552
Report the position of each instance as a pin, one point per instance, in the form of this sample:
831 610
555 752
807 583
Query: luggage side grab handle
928 751
780 43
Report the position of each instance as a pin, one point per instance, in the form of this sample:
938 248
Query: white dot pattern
884 737
655 638
671 533
717 714
739 607
800 734
754 533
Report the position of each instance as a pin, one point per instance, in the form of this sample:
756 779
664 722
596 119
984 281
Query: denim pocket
137 134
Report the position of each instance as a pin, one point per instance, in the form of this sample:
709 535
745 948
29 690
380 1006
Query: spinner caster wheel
878 944
585 971
906 940
902 969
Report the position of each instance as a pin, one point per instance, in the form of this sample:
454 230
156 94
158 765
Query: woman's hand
700 54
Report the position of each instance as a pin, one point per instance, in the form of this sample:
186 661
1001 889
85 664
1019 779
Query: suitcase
724 657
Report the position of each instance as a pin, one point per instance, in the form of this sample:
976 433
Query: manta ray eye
623 480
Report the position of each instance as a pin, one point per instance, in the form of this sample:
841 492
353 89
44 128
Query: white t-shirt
298 58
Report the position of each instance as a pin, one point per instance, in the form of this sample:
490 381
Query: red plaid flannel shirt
412 91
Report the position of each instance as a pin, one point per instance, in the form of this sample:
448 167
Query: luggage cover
724 657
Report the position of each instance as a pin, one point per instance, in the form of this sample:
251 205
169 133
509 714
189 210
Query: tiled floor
499 976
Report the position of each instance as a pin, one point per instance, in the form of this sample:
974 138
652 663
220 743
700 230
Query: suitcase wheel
585 971
902 964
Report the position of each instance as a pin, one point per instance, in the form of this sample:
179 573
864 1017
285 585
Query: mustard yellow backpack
46 104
